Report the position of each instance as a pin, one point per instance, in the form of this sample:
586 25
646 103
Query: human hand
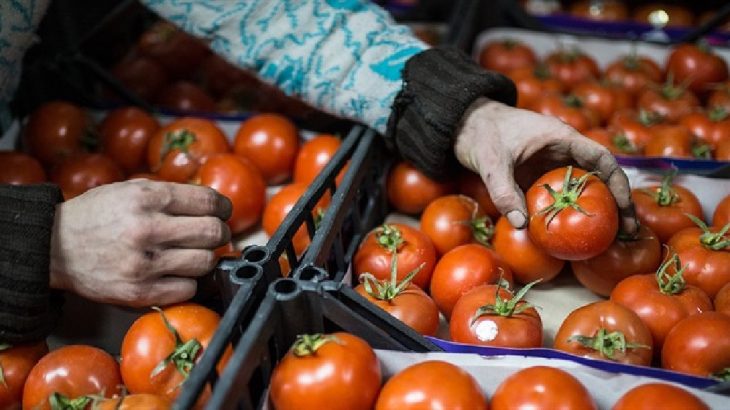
137 242
510 148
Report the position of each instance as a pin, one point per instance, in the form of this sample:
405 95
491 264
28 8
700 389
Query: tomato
723 151
720 97
722 300
463 268
432 384
133 402
661 299
313 156
71 371
663 207
412 246
634 73
239 180
646 397
218 75
279 206
606 330
149 343
175 151
573 215
506 55
55 130
572 67
711 127
20 169
409 191
569 109
671 102
337 371
177 51
636 126
82 172
125 133
472 185
627 256
532 83
542 387
526 261
142 76
490 315
16 363
721 216
697 66
699 345
675 141
607 10
185 97
270 141
453 220
615 141
602 98
662 14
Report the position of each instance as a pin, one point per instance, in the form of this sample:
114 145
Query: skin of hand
510 148
137 243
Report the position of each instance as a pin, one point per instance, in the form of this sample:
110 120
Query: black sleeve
27 312
439 85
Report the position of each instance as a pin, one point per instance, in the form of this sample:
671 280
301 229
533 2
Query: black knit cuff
439 85
28 310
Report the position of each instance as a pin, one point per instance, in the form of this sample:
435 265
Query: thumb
507 196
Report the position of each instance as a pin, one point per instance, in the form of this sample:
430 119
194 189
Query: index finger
196 200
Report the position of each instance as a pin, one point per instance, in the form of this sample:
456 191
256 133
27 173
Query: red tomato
407 303
507 55
490 315
674 141
239 180
82 172
270 141
149 343
606 330
569 109
338 371
699 345
722 300
615 141
721 216
671 102
705 256
15 365
432 384
602 98
185 97
54 131
142 76
279 206
463 268
176 150
711 127
661 299
472 185
177 51
526 261
637 127
412 246
634 73
697 66
647 396
572 67
20 169
532 83
455 220
627 256
662 14
576 218
125 134
134 402
72 371
313 156
542 387
607 10
409 191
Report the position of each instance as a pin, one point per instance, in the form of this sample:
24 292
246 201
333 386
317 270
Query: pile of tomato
679 108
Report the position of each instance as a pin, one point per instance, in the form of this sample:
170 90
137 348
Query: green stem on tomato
184 354
671 284
388 290
606 343
307 345
58 401
389 237
508 307
716 241
567 197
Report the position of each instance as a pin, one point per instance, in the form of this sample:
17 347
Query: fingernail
517 219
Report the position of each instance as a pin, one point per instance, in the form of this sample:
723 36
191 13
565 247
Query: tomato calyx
717 114
648 118
183 355
541 72
715 241
389 237
607 343
506 308
623 144
671 284
723 375
671 91
573 101
567 197
178 139
701 150
482 229
664 195
387 290
60 402
307 345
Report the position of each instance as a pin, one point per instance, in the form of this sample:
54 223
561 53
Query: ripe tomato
239 180
125 133
675 141
279 206
661 299
705 255
472 185
337 371
20 169
573 215
636 126
607 10
647 396
150 342
55 130
313 156
270 141
663 207
432 384
15 365
606 330
71 371
134 402
412 247
185 97
572 67
723 151
602 98
175 151
453 220
409 191
615 141
490 315
627 256
671 102
463 268
82 172
721 216
634 73
541 387
532 83
507 55
699 345
569 109
176 50
697 66
711 127
142 76
722 300
526 261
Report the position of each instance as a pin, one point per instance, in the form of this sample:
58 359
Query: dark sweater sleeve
439 85
27 312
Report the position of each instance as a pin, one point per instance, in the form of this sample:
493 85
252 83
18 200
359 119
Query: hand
510 148
139 242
